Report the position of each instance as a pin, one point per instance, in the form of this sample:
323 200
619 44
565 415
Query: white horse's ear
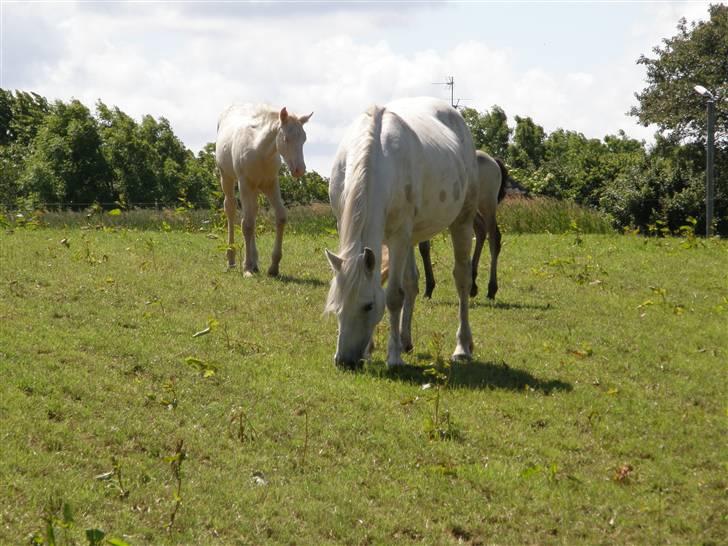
369 260
304 119
334 260
283 115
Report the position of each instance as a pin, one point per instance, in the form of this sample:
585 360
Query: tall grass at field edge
515 215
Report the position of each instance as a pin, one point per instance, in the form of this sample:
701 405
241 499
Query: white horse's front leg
274 198
395 301
249 200
411 289
462 236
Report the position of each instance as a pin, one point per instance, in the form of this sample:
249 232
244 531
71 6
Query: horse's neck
370 230
267 141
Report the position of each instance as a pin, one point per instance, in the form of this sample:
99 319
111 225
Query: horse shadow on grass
500 304
304 281
470 375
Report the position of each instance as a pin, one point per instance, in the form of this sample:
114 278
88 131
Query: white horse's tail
505 177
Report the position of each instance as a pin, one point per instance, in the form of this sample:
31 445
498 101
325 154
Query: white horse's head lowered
357 299
290 139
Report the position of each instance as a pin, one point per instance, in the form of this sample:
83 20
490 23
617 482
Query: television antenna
451 84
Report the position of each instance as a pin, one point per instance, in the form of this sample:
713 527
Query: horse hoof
248 273
461 357
273 272
473 290
231 267
429 289
395 363
492 289
407 348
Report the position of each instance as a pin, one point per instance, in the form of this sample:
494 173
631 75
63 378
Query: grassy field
150 395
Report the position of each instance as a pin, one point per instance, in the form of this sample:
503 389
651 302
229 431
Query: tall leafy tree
490 130
696 55
21 115
527 150
66 164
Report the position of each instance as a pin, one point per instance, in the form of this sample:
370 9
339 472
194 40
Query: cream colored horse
250 142
402 174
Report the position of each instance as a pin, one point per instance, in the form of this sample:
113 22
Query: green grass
594 411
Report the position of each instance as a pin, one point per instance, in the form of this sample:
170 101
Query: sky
569 65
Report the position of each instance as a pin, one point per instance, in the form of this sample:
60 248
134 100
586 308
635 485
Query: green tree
696 55
527 150
168 158
21 115
66 164
129 157
490 130
201 185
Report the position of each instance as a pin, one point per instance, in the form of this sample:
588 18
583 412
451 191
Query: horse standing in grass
250 142
403 173
493 178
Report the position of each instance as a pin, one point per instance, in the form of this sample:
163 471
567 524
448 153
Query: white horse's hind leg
274 198
410 295
249 200
462 235
231 209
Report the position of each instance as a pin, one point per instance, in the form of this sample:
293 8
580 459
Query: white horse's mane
361 161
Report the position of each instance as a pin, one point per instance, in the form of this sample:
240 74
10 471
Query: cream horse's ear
304 119
283 115
334 260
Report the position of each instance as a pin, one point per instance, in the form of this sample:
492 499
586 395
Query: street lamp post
709 147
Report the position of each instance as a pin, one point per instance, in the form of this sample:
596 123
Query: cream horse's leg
494 241
410 295
249 199
461 234
398 257
274 198
479 226
231 209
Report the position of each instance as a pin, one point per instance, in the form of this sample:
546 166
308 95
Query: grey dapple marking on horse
493 178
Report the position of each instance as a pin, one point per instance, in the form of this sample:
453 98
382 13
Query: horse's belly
441 201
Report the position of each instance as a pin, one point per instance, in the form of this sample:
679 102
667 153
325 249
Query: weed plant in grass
166 401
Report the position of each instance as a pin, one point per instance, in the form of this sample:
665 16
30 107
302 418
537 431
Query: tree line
63 155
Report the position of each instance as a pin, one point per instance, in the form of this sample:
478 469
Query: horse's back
239 129
445 164
490 180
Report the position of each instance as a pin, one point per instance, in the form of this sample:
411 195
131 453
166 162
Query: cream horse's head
290 139
357 299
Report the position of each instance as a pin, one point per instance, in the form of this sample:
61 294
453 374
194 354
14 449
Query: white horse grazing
250 141
402 174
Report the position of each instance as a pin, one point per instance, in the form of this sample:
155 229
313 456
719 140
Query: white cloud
187 62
